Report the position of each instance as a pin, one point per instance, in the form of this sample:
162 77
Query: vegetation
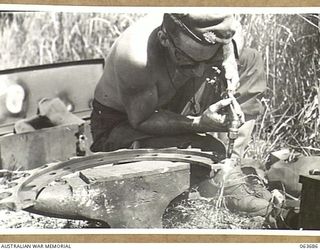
35 38
290 45
202 214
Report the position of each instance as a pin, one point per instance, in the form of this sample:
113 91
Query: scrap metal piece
131 195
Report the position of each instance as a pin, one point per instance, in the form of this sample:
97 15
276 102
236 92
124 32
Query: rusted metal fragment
66 81
132 195
33 149
310 202
288 172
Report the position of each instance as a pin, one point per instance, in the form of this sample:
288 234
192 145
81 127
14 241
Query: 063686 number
309 246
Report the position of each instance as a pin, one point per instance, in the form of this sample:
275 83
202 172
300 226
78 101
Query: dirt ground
23 219
197 215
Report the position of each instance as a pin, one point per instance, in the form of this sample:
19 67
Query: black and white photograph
177 118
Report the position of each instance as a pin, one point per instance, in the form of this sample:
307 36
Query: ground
192 214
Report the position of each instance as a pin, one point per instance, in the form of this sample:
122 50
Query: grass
290 49
32 38
203 214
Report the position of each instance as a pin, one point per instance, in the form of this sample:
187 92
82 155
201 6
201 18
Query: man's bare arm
141 107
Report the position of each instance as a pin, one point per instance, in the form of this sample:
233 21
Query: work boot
251 198
243 199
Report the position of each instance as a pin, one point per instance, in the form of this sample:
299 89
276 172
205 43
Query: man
163 83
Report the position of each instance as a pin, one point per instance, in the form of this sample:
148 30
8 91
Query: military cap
203 28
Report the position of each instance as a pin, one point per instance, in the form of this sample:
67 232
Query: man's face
191 57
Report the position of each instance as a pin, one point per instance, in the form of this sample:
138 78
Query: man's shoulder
132 45
130 53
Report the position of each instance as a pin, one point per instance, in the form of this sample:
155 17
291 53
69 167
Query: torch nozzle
233 130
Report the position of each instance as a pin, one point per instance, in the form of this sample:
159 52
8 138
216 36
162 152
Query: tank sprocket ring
22 193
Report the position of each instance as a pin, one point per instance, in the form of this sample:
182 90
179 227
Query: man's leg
203 142
103 121
124 136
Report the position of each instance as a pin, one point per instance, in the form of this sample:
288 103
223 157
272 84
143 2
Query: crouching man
162 87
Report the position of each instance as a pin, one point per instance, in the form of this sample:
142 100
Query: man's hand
215 121
211 119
